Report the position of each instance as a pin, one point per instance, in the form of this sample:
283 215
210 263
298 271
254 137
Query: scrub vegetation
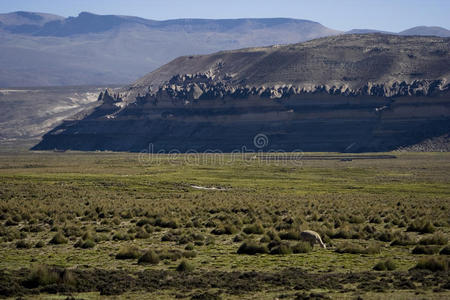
85 224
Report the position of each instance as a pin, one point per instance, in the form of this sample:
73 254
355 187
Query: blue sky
391 15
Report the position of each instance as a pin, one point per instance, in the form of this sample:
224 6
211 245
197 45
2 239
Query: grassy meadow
222 227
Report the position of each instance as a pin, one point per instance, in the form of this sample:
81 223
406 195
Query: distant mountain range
419 30
48 50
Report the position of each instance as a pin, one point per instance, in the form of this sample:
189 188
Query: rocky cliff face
349 93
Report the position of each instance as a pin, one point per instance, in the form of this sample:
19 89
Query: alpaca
312 237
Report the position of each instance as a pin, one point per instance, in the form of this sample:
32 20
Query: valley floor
93 225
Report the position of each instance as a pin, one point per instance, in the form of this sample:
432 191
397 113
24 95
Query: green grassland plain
160 226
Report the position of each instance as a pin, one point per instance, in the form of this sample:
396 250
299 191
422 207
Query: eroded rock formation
349 93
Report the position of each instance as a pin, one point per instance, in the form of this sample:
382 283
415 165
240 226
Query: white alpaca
312 237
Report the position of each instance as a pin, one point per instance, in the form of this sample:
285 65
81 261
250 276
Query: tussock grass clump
145 221
282 249
149 257
58 239
357 249
169 237
403 240
302 247
421 226
356 219
225 229
251 247
384 265
375 220
265 239
254 229
185 266
434 264
22 244
87 244
346 233
121 236
425 249
167 223
189 254
185 239
239 238
39 244
43 275
435 239
72 230
128 252
142 234
170 255
385 236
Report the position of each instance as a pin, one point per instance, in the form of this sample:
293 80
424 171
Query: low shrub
120 236
167 223
189 254
39 244
433 264
345 233
375 220
251 247
170 255
254 229
424 249
145 221
184 239
42 275
149 228
265 239
385 236
238 238
435 239
185 266
58 239
273 235
302 247
22 244
142 234
282 249
169 237
355 219
403 240
128 252
225 229
149 257
421 226
385 265
87 244
189 247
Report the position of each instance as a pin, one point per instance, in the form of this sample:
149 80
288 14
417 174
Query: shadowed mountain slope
349 93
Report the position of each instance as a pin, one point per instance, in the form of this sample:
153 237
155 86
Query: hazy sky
391 15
